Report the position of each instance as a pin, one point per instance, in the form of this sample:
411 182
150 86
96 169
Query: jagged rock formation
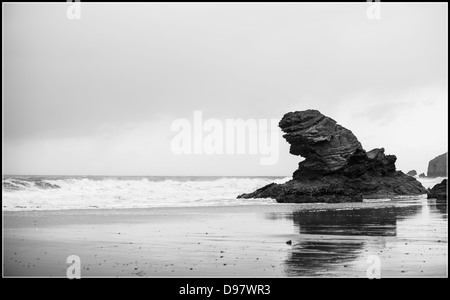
412 173
422 175
437 167
336 167
439 191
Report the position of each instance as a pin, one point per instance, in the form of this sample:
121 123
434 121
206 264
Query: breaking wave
51 193
54 193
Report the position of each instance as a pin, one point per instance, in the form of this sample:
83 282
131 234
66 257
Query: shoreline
327 240
368 203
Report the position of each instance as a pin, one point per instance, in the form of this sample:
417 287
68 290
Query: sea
26 193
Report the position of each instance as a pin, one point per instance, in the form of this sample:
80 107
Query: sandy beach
224 140
333 240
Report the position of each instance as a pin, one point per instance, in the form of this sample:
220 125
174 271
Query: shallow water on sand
409 237
408 240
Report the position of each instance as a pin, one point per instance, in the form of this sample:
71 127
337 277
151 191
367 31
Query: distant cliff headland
437 167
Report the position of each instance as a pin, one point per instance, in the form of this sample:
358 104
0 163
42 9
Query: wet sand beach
283 240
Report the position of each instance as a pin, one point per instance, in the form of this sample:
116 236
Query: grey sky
98 95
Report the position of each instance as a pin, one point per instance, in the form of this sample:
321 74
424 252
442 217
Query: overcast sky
97 96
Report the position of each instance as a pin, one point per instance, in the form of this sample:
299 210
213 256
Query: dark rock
336 167
422 175
437 167
325 144
439 191
412 173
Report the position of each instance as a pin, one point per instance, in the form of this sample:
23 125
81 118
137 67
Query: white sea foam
377 200
51 193
430 182
82 193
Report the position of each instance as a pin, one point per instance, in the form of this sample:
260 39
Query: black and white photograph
224 140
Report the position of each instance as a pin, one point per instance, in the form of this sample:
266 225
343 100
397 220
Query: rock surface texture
412 173
439 191
437 167
336 167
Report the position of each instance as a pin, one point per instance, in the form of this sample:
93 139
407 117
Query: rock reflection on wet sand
409 240
409 237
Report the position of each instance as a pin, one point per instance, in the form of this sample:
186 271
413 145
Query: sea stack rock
439 191
336 167
412 173
437 167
